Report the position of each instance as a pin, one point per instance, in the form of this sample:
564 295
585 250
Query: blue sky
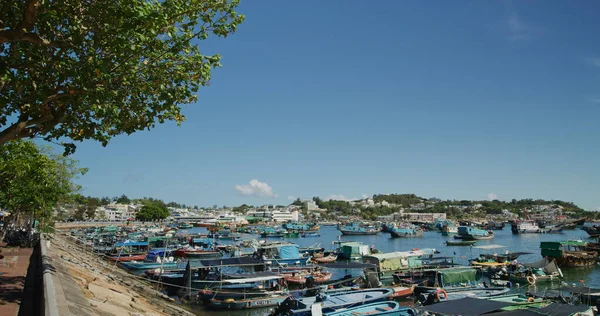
448 99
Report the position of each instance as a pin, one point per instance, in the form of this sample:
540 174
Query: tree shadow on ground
11 288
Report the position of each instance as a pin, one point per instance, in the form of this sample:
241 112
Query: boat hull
415 234
358 233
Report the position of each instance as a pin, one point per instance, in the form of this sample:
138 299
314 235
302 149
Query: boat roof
235 261
276 245
402 254
553 309
465 306
348 265
257 279
131 243
567 242
489 247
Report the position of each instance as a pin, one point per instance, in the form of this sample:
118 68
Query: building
424 217
311 205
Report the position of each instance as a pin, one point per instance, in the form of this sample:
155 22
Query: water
383 242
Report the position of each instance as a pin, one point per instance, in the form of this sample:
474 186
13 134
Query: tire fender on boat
530 280
530 300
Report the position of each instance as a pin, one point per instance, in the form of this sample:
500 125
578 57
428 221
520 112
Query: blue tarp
132 244
289 252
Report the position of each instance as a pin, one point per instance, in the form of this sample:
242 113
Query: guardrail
50 306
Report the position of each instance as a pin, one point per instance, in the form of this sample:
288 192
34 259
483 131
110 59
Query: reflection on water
522 243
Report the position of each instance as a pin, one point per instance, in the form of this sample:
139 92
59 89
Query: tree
97 69
33 180
151 211
123 199
297 202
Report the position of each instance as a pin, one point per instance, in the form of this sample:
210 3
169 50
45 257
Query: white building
311 205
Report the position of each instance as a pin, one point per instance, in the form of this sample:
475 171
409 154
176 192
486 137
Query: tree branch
24 127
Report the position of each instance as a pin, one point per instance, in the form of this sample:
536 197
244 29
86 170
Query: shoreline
87 284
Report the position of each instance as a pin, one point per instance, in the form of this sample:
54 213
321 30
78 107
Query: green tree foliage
96 69
398 199
151 211
34 180
297 202
123 199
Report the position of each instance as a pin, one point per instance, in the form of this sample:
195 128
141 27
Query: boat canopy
132 244
465 306
289 252
347 265
580 290
456 276
398 260
235 261
257 279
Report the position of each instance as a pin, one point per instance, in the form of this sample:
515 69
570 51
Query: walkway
13 270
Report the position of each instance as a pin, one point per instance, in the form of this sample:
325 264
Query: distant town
383 208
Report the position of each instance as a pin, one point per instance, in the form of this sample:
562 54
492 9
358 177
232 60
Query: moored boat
326 259
406 232
389 308
357 229
572 253
459 242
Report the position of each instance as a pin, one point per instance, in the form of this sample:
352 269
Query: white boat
526 227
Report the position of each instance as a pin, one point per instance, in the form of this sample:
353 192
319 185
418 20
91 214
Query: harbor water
461 254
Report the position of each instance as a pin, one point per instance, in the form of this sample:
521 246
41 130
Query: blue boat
142 265
354 228
281 254
406 232
330 302
472 233
389 308
248 303
300 227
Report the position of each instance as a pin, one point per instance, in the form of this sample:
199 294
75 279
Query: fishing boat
593 231
460 242
326 259
292 225
389 308
128 257
352 250
526 227
185 226
448 230
545 270
571 253
471 233
281 254
354 228
198 253
406 232
389 263
292 234
332 302
247 303
301 277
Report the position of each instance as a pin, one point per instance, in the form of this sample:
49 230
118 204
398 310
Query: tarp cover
449 277
553 309
231 262
132 244
289 252
465 306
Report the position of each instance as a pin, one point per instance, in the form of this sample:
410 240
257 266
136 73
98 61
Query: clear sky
448 99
